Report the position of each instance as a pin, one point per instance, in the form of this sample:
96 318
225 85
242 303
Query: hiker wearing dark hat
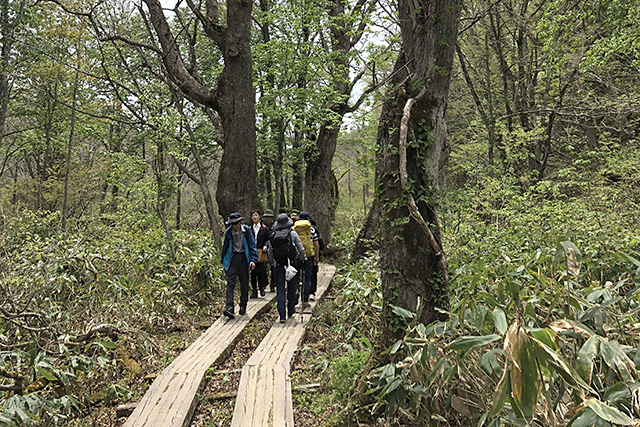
285 248
239 255
309 239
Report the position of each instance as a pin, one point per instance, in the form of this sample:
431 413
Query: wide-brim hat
234 218
268 214
283 221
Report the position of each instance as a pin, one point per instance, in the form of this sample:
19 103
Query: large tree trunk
297 168
409 167
321 186
233 98
6 43
203 182
237 183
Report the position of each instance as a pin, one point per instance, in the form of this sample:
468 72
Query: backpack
282 245
303 228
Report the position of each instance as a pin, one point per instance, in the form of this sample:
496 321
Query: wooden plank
264 392
170 400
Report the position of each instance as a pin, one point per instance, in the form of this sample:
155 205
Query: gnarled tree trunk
413 149
233 98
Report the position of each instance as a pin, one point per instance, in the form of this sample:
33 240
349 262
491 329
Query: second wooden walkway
264 393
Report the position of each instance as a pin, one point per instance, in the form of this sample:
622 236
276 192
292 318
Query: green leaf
619 394
466 343
587 418
403 312
500 320
395 347
502 392
554 360
108 344
489 363
481 312
545 335
48 375
587 353
616 358
608 413
525 380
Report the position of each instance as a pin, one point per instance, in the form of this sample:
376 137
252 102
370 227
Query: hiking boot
262 292
254 295
312 297
229 314
282 320
272 289
306 305
242 311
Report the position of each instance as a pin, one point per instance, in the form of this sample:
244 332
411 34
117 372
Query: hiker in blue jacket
239 255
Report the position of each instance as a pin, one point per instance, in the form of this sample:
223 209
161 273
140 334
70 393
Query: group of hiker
275 254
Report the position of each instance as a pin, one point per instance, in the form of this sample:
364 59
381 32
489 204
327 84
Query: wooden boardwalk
264 393
170 401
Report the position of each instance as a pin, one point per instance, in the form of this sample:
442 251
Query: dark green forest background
111 213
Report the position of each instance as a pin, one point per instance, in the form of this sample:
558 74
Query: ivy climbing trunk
413 149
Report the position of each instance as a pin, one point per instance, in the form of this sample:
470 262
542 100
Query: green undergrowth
543 323
542 326
81 313
337 344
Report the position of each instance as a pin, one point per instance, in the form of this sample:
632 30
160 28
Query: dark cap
268 214
283 221
234 218
304 215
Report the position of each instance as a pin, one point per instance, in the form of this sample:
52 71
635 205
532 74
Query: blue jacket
250 250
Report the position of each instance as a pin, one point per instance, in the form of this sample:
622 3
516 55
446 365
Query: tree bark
237 182
321 186
413 150
368 238
6 44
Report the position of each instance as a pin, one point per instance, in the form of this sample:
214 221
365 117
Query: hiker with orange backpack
309 238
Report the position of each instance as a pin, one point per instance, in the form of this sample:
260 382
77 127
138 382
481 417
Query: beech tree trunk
410 162
321 185
233 98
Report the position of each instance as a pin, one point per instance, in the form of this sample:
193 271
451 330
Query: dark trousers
286 302
272 278
239 269
307 269
314 280
259 278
